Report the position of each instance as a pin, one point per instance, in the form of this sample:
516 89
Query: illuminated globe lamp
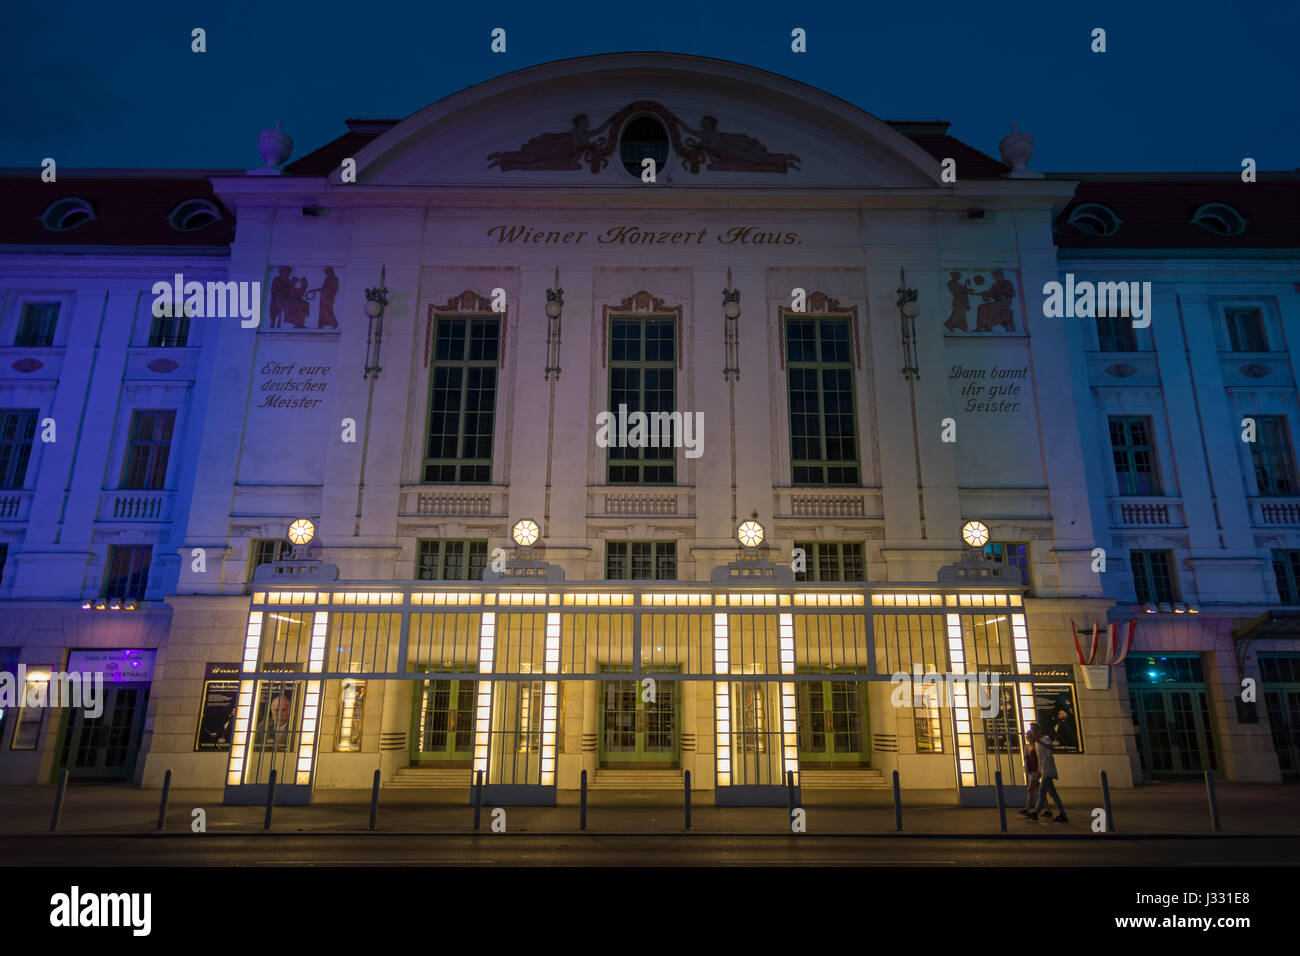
300 535
976 535
525 533
750 534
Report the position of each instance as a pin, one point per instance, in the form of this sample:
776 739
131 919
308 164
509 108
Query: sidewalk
1158 809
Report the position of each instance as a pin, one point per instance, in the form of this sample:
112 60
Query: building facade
458 317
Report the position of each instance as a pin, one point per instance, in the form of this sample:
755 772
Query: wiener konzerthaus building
432 391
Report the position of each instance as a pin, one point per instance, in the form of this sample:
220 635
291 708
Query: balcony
15 504
1275 512
125 505
1146 512
453 501
835 502
613 500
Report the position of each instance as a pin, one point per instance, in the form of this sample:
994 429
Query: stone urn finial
1017 149
274 146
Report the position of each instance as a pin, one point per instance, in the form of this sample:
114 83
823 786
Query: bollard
1105 802
898 804
162 804
1002 803
61 791
582 802
478 796
688 799
374 800
270 799
1214 803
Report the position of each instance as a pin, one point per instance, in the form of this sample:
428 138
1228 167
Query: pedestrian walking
1047 775
1031 767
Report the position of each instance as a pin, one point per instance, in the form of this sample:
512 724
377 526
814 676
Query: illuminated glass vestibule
751 684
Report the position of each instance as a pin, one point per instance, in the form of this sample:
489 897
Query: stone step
637 780
844 780
432 778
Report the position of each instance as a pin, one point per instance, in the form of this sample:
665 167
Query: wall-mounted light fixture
908 310
554 312
300 534
525 533
731 330
376 302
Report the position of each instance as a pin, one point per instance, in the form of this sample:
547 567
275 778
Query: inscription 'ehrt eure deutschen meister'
635 236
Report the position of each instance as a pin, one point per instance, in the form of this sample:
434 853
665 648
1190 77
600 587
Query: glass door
104 747
636 732
443 714
833 730
1173 731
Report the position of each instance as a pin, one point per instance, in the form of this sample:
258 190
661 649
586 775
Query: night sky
1183 86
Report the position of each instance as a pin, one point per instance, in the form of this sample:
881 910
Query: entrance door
1284 716
105 747
637 733
1173 731
833 732
443 734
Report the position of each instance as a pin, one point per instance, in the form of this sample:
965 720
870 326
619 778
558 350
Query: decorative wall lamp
554 311
976 535
525 534
731 330
376 302
750 534
908 310
300 535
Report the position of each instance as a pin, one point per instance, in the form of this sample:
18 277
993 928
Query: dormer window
67 214
1095 219
1220 219
194 214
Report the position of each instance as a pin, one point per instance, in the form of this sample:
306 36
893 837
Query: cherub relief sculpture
994 313
581 145
567 150
733 152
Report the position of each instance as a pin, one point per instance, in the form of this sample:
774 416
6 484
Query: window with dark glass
445 559
1153 579
1115 333
1272 455
36 325
1013 553
642 378
819 376
267 551
644 137
831 561
1246 330
17 435
1135 455
462 406
169 331
1286 568
127 571
148 448
641 560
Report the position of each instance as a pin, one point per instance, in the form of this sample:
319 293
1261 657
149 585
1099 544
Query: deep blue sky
1184 86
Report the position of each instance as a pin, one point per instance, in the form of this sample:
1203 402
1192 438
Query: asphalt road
487 849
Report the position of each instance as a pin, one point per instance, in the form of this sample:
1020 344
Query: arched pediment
722 124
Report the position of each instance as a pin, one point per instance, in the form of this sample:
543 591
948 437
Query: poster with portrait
352 715
1055 707
275 720
217 713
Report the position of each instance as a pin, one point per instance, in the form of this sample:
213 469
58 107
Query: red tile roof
131 209
1156 213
